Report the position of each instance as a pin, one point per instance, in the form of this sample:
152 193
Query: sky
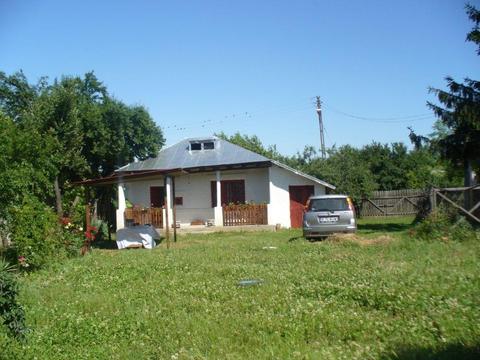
201 67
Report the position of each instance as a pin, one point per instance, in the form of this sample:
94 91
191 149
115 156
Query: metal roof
298 172
179 156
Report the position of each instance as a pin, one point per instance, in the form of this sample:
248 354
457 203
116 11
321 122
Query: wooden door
298 199
157 196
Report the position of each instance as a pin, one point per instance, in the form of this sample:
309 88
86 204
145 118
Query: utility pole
320 122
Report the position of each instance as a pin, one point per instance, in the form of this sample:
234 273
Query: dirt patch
383 239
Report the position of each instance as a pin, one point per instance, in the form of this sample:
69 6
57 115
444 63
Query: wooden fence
237 215
393 202
465 200
151 216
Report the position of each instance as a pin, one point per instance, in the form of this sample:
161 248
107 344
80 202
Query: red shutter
157 196
233 191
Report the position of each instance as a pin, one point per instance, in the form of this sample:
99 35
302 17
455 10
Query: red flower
91 232
65 221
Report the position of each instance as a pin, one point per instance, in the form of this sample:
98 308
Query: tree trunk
58 197
467 173
467 182
74 205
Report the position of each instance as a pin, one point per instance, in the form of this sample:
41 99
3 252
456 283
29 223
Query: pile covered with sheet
136 236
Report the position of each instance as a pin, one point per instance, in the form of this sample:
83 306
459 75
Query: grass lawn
391 298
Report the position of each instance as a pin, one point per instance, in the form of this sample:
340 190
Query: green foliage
25 166
324 300
459 111
358 172
253 143
62 131
346 169
66 130
474 34
37 235
445 225
11 312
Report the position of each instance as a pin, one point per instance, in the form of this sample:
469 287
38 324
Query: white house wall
138 192
279 206
196 191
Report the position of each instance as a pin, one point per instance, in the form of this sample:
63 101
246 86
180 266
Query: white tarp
137 235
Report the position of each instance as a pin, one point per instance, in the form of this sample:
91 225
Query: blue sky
253 66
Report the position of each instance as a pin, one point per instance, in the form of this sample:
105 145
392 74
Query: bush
37 236
445 225
11 312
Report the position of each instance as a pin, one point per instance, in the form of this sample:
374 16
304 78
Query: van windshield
331 204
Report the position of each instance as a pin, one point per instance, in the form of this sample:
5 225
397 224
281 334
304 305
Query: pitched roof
180 156
298 172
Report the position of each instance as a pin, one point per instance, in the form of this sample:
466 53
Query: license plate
327 219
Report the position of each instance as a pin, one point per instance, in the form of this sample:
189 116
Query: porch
232 215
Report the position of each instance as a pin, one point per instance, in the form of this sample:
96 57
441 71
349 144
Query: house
210 181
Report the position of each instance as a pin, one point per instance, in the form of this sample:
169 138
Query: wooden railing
151 216
237 215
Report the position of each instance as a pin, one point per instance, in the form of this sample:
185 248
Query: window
195 146
329 204
202 145
233 191
210 145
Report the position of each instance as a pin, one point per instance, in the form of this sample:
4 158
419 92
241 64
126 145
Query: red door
157 196
298 199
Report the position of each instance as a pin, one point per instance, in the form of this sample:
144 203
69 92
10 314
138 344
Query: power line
397 119
243 117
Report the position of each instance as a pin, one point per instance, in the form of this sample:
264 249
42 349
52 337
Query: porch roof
132 175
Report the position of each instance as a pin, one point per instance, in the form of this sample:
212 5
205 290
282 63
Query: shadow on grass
104 244
452 351
312 240
295 238
112 244
383 227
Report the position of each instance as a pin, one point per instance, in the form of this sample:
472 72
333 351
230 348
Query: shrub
445 225
37 235
11 312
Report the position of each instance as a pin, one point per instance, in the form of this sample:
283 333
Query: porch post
165 223
270 206
218 208
121 207
168 193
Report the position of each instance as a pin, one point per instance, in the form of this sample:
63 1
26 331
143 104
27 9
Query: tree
86 131
347 170
252 143
26 168
460 114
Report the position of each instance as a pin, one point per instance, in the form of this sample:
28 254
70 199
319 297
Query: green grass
318 300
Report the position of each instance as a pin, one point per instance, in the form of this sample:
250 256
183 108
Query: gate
393 202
